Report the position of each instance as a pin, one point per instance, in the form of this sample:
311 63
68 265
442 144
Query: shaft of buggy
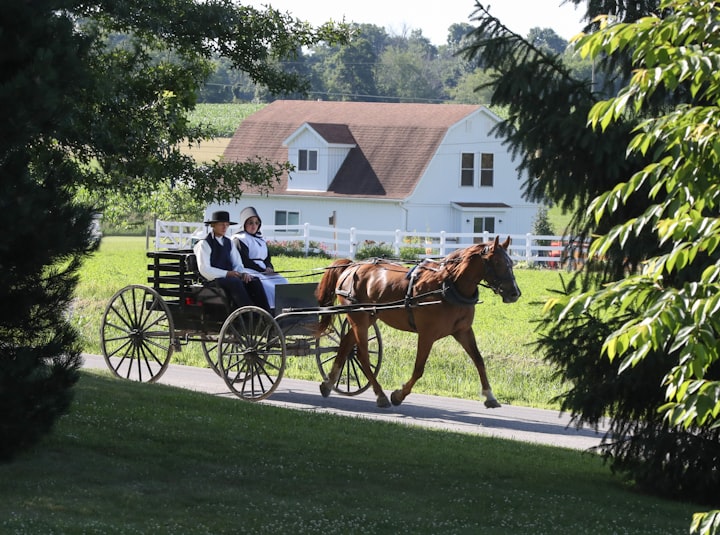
360 307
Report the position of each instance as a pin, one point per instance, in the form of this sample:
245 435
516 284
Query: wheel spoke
353 375
125 346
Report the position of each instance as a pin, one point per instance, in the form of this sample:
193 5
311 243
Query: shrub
296 248
411 254
371 249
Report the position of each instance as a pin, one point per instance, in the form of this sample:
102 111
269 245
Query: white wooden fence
338 242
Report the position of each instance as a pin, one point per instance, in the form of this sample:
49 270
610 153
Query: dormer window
307 160
315 167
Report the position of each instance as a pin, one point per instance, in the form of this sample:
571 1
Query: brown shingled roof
395 142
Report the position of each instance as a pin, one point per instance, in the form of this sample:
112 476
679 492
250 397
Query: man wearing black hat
218 260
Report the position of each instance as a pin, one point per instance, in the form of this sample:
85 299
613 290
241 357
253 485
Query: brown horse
435 299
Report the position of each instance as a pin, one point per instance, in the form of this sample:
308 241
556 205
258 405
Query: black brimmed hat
220 217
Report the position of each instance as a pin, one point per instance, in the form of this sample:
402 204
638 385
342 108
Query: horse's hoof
492 404
325 390
382 402
395 397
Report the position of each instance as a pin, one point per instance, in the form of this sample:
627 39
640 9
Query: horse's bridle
490 272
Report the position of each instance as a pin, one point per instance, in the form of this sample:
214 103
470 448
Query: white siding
335 156
430 205
330 158
370 215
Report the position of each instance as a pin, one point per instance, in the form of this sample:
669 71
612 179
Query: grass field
505 332
224 118
135 458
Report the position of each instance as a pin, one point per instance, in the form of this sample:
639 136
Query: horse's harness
448 290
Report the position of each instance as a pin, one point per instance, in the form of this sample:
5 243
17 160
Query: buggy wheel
251 352
210 350
352 380
137 334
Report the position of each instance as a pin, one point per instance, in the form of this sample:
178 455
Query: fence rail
337 242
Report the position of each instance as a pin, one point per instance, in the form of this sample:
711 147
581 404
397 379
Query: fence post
398 241
306 238
528 248
443 241
353 243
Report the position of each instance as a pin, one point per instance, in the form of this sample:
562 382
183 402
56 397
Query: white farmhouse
383 166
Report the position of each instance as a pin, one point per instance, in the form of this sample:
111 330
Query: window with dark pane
307 160
487 172
467 171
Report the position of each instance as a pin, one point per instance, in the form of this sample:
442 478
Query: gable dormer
317 150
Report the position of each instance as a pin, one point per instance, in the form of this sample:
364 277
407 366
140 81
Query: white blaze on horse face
516 293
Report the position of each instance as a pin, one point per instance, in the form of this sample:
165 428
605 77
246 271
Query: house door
483 224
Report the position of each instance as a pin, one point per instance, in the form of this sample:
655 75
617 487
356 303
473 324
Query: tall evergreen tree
571 163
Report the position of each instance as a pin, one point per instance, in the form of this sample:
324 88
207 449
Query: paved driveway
460 415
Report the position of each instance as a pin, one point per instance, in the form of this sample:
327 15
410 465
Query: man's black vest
220 254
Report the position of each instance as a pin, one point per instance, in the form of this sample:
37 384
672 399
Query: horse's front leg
423 350
467 340
361 334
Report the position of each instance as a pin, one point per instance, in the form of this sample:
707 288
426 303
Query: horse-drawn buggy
248 347
143 326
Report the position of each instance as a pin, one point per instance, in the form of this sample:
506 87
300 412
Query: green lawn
135 458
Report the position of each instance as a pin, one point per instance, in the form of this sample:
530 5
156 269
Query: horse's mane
454 264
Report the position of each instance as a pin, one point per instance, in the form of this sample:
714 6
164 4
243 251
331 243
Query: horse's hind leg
467 341
360 327
356 336
346 344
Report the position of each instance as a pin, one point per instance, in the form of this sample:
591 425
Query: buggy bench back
173 274
196 305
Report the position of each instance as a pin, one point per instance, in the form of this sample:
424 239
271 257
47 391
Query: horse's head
488 262
498 273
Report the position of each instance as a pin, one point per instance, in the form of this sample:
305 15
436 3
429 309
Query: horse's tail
325 291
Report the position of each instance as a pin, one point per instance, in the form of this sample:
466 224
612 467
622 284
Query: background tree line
375 66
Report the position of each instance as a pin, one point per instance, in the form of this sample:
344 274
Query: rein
491 273
309 272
